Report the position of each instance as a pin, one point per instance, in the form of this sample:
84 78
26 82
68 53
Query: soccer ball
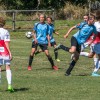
28 35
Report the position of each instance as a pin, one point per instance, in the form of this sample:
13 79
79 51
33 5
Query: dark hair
50 18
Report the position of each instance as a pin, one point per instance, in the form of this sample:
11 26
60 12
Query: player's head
86 17
42 18
98 15
49 20
91 19
2 22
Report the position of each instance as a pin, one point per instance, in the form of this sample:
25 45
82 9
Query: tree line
44 4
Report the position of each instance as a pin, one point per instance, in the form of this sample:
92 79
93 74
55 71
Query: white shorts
4 60
92 47
84 45
97 48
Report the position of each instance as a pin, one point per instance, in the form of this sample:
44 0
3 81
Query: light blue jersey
83 34
42 31
80 25
51 31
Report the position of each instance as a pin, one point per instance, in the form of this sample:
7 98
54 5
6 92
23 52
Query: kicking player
5 53
42 39
77 39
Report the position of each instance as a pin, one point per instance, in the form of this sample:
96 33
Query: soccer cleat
55 67
10 88
95 74
57 47
66 74
58 60
29 68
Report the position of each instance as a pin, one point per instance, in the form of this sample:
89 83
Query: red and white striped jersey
4 37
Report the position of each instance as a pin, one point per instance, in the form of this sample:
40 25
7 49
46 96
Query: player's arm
34 36
7 43
69 31
48 37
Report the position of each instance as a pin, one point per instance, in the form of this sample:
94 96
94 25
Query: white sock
9 76
97 66
95 61
84 54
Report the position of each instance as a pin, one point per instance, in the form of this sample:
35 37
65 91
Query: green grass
43 83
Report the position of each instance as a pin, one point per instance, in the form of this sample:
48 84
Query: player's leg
55 51
75 49
61 46
74 60
97 62
38 51
8 74
45 49
34 47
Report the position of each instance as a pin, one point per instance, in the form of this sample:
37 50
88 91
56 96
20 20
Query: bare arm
48 37
34 36
69 31
8 48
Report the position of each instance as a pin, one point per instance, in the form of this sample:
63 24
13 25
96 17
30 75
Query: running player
42 39
5 53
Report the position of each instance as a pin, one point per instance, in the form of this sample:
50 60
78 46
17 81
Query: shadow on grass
48 69
84 74
20 89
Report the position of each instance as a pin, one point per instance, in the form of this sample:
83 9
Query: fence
23 19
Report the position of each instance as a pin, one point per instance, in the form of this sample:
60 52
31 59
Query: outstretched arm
69 31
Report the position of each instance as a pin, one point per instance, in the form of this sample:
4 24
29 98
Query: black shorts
53 43
75 43
42 46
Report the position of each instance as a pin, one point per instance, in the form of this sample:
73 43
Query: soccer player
77 39
42 39
95 47
5 53
52 40
79 26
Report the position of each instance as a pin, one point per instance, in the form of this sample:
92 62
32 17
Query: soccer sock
56 54
30 60
9 76
95 61
64 48
72 64
97 66
51 61
84 54
37 52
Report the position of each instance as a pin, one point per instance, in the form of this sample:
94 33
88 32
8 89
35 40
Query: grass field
43 83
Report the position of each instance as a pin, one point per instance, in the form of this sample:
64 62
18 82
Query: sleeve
7 36
48 30
80 25
35 26
94 30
